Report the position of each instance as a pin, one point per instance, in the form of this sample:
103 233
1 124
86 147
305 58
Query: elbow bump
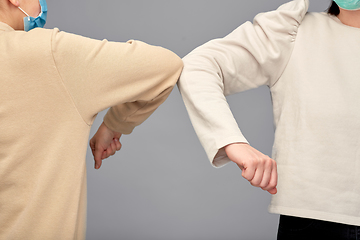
172 61
175 70
177 65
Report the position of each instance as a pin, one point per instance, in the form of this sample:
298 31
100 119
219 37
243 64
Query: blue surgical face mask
348 4
39 21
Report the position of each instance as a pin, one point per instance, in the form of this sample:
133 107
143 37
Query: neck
11 15
350 18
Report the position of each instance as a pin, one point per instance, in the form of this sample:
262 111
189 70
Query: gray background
161 185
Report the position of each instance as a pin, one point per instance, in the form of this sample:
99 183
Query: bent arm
254 54
133 78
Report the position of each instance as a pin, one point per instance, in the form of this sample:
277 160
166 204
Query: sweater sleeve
132 78
254 54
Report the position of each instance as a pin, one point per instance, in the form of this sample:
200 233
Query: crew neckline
336 19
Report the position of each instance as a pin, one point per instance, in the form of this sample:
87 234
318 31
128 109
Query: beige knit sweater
310 62
52 86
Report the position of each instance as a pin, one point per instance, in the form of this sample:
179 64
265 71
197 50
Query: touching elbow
174 67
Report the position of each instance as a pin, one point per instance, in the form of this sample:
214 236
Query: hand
260 170
104 144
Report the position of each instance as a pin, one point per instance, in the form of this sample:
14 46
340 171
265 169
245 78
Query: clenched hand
104 144
260 170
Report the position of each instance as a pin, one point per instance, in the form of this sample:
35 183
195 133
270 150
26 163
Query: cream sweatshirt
310 63
52 86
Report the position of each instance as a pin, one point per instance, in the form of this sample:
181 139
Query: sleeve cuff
116 126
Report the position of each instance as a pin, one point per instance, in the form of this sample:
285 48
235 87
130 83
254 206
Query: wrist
111 132
233 149
234 144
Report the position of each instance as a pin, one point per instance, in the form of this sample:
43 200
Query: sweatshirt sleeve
254 54
132 78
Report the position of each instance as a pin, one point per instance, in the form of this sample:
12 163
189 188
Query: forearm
149 92
125 117
202 89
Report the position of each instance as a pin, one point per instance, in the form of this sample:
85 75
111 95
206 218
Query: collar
5 27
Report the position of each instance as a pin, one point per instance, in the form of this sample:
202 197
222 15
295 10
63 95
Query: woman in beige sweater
310 62
52 86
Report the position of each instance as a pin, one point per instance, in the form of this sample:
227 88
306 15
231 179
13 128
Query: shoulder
318 23
280 25
282 22
318 18
289 13
35 42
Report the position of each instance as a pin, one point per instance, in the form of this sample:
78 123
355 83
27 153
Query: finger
118 144
98 163
113 146
104 154
249 172
258 176
92 146
98 157
273 181
268 166
272 178
109 151
273 191
91 143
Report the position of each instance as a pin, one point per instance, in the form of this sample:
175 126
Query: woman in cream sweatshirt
310 63
52 86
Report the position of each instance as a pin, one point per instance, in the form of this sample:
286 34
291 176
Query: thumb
241 166
97 157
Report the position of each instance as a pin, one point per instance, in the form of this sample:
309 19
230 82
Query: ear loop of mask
25 13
